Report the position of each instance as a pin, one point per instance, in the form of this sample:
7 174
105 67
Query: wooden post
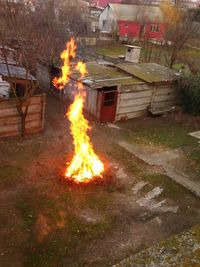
43 110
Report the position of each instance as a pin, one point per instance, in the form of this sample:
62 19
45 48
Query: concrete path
194 47
163 158
195 134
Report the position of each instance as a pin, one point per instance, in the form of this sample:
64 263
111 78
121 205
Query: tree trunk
23 124
173 57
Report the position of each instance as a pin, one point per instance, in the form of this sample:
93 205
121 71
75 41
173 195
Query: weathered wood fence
10 122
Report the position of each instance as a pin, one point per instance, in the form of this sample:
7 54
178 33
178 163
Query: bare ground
46 221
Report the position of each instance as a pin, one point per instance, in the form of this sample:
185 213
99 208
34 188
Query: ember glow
85 164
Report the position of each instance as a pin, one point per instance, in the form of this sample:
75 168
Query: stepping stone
149 196
137 187
195 134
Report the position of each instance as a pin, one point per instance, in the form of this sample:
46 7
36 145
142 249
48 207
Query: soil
47 221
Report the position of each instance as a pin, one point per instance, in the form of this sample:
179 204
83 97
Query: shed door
109 104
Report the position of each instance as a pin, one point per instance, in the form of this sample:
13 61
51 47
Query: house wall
135 100
128 29
165 95
10 122
155 35
107 21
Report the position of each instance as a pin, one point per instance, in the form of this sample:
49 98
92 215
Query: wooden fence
10 122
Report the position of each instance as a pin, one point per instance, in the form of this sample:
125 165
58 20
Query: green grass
194 157
9 176
164 133
112 50
126 159
27 213
168 134
171 188
190 52
61 243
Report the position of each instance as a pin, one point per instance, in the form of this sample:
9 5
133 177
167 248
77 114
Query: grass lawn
159 54
112 50
169 133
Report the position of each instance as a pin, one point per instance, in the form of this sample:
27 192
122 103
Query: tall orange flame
85 164
66 56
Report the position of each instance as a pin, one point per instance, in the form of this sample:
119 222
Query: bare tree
40 30
17 23
180 27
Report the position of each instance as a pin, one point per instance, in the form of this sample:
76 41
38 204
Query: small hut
127 90
132 53
17 76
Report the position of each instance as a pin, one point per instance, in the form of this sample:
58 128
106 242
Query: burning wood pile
85 165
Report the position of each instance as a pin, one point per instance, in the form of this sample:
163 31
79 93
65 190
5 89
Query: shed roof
149 72
100 75
15 71
7 48
137 13
9 61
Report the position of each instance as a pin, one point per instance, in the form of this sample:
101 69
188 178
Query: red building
128 29
133 22
134 30
155 31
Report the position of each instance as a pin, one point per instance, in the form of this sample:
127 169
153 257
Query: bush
191 94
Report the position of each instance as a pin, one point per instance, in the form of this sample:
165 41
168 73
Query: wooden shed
16 75
127 90
159 92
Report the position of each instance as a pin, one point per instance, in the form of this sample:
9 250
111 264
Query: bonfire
85 165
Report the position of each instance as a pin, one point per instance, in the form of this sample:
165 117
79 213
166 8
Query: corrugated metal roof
99 76
9 61
7 48
151 14
149 72
15 71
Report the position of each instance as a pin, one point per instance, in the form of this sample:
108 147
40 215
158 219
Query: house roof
104 3
100 75
15 71
149 72
137 13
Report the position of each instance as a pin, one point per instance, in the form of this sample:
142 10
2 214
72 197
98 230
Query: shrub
191 94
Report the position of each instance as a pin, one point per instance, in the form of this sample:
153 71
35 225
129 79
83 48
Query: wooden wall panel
136 100
10 122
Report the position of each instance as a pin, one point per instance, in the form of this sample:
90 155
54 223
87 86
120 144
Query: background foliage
191 94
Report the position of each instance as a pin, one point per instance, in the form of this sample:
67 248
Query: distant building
133 21
94 12
104 3
183 3
191 3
